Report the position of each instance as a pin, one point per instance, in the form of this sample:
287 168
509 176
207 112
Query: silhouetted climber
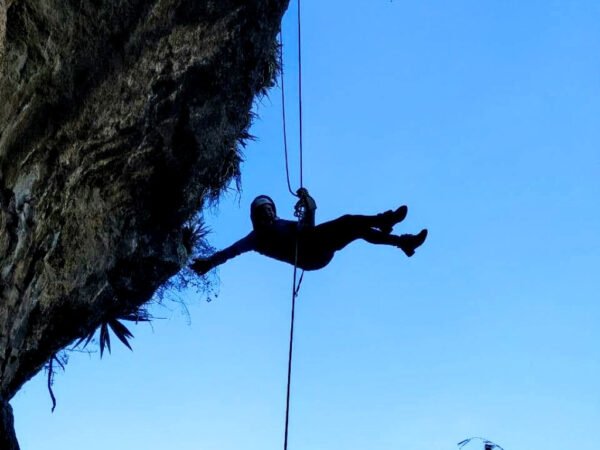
316 245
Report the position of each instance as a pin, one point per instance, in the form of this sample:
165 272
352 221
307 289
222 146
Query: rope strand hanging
295 286
283 118
300 97
300 112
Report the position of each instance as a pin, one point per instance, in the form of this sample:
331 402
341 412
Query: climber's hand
201 265
302 193
306 201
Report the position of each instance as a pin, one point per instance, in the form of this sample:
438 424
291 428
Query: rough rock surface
117 119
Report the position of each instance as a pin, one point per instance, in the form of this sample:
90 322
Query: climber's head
262 211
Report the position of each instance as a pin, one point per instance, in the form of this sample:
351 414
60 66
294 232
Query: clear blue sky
483 118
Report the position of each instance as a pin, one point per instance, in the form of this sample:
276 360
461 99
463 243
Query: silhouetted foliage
119 330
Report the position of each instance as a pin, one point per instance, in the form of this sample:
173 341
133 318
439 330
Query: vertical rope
295 286
285 144
300 112
291 350
300 94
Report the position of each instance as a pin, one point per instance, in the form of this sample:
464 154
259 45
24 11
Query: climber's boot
390 218
408 243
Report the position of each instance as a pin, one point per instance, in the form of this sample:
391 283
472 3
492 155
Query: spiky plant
118 328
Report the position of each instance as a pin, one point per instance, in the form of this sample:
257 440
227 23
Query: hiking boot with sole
410 242
391 218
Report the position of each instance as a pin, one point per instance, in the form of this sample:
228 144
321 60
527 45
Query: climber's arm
203 265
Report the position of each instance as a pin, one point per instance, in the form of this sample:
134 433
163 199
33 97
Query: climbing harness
299 210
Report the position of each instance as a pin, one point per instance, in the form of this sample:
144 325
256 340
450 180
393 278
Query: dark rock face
117 119
8 440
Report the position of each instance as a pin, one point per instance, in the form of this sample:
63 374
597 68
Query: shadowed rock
117 120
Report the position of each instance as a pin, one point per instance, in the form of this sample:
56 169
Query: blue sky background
483 118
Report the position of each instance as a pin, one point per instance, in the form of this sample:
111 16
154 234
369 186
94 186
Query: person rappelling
302 243
310 246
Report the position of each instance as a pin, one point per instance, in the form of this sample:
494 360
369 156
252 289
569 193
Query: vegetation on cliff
118 121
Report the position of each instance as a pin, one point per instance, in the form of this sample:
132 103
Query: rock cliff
118 119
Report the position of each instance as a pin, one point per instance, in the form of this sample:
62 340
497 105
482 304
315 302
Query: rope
300 113
300 92
295 289
295 286
285 145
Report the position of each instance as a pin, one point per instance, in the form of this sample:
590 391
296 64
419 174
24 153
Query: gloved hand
302 193
201 265
306 200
